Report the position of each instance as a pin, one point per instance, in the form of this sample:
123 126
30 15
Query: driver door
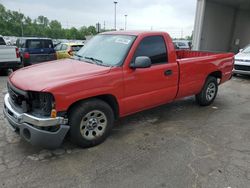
148 87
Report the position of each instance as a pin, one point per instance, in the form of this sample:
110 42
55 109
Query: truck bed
183 54
8 54
194 66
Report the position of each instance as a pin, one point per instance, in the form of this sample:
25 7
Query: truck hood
52 74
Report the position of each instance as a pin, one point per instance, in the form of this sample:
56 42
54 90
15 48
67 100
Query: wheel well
216 74
108 98
111 100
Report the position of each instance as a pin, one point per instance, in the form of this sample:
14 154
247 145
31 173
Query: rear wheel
90 122
16 68
19 67
208 92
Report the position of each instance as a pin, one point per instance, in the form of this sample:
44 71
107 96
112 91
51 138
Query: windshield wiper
98 61
81 58
76 55
93 60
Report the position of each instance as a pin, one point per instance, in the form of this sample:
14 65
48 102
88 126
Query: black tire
3 72
79 127
208 92
15 69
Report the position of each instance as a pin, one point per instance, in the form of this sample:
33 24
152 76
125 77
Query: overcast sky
174 16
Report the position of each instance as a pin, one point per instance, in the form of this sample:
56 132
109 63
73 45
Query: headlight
41 103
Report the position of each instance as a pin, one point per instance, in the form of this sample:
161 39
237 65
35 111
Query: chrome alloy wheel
211 91
93 125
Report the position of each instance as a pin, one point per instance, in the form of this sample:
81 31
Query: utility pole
21 24
125 28
104 26
115 3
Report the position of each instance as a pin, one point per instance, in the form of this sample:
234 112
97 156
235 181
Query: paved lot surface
176 145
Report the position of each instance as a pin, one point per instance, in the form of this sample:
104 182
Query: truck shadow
243 77
141 123
155 116
123 127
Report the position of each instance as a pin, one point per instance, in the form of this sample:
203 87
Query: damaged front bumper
32 128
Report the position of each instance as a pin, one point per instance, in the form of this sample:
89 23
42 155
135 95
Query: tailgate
8 54
41 55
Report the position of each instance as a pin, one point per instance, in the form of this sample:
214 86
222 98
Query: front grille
17 97
242 67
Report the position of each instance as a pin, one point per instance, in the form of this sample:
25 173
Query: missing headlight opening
41 103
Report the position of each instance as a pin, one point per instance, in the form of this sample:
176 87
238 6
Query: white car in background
242 61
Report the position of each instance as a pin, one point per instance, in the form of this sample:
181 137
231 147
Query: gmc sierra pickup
113 75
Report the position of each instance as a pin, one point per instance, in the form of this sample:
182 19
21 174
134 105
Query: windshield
109 50
246 50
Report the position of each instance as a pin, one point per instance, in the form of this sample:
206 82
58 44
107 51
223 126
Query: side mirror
240 50
141 62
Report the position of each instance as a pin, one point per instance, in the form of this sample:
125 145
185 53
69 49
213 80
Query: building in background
98 27
222 25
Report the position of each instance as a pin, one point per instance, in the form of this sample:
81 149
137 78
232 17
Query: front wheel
90 122
208 92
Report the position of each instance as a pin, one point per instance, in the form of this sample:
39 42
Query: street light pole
115 2
125 28
21 23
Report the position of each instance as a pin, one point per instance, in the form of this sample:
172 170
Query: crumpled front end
29 115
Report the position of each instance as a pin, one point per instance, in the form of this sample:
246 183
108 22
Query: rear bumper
11 64
35 59
31 128
241 72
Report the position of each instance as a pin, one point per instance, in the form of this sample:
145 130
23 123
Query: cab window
35 44
153 47
58 47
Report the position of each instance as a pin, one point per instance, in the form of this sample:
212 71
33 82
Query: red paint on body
134 89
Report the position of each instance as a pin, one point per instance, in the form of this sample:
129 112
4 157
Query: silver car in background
182 44
242 62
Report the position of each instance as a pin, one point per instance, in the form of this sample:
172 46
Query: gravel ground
175 145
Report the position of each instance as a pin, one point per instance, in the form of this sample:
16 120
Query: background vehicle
182 44
242 62
9 56
114 75
36 50
66 50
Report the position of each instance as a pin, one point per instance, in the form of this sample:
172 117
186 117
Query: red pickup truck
114 75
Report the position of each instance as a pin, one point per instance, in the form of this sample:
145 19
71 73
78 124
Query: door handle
168 72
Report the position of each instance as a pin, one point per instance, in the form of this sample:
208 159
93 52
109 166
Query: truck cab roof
135 33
